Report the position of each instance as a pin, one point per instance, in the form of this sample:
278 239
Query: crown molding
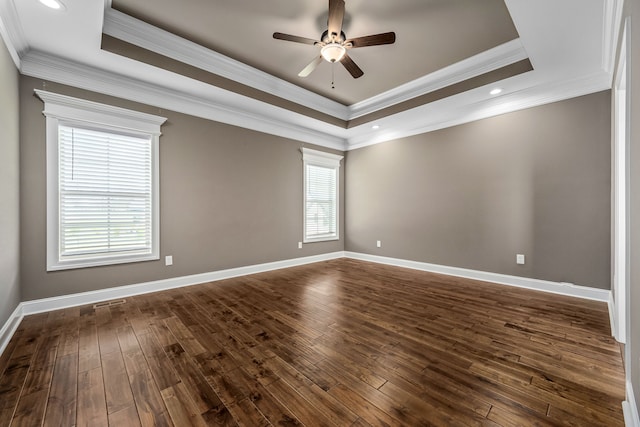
612 26
465 108
11 31
227 107
492 59
212 103
139 33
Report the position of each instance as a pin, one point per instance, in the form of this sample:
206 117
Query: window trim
328 160
62 109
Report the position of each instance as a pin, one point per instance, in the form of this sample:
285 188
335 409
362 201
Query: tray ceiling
430 35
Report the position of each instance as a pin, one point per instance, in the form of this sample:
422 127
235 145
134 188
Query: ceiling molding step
239 111
252 114
147 36
11 31
612 26
456 111
484 62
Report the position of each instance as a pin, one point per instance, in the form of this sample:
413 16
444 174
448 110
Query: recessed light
375 127
495 91
53 4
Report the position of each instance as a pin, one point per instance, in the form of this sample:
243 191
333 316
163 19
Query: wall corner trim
611 305
630 409
567 289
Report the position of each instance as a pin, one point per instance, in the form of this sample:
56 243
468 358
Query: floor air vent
109 303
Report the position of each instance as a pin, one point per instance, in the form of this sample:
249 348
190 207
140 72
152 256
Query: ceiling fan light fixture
333 52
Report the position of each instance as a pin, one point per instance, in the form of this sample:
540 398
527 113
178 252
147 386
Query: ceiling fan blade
351 66
296 39
374 40
309 68
336 15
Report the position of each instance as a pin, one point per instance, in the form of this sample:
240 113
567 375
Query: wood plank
151 409
517 417
158 362
69 331
125 417
269 406
245 413
5 357
365 409
182 410
11 385
33 399
92 406
207 401
298 405
429 411
341 342
116 383
88 347
61 406
41 369
30 410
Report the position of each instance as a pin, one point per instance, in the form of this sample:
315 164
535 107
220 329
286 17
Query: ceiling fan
334 43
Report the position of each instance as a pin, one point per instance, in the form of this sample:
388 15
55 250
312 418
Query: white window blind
321 176
102 183
105 193
321 218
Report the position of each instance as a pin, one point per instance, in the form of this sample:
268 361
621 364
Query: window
321 178
102 183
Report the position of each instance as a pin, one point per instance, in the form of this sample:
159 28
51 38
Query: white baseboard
630 409
10 327
65 301
561 288
73 300
612 317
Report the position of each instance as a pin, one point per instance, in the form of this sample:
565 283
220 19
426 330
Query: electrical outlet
168 260
379 243
519 259
299 245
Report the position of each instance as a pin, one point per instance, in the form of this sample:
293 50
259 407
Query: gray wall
536 182
229 197
9 187
632 8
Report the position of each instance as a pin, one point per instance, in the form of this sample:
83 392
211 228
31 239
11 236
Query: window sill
321 239
75 264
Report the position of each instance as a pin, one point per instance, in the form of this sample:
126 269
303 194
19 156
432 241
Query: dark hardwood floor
342 342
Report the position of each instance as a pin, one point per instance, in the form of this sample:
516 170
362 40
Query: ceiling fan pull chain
333 67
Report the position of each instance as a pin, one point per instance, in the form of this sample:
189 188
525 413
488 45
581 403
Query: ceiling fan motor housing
325 38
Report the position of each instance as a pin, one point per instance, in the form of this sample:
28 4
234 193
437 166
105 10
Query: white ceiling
569 43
